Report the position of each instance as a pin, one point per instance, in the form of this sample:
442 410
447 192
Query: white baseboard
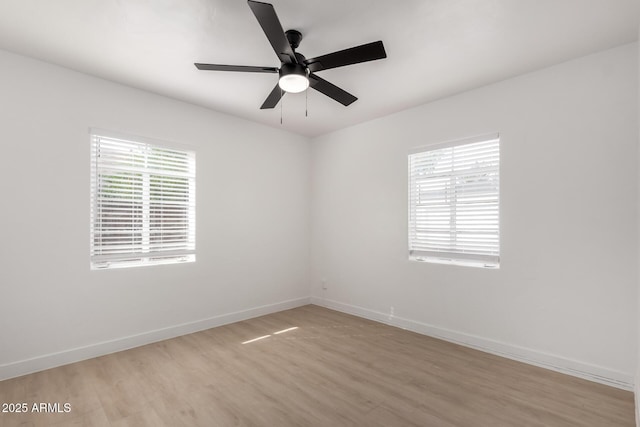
533 357
636 393
47 361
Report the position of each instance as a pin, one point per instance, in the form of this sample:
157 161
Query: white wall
565 295
252 220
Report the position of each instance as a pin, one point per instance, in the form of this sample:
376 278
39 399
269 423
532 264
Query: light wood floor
333 370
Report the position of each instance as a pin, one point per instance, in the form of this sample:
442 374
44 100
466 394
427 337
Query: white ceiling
435 48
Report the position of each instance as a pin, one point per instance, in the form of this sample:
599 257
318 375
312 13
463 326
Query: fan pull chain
306 103
281 102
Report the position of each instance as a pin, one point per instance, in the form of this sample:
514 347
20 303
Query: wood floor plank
312 366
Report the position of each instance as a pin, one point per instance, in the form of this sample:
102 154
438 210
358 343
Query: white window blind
454 202
142 203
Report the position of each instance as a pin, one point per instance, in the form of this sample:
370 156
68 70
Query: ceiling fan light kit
296 73
294 78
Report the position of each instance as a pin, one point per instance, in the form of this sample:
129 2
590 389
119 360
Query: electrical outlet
324 284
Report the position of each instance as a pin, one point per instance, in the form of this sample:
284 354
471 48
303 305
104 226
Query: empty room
319 213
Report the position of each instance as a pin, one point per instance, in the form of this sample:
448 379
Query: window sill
145 262
459 262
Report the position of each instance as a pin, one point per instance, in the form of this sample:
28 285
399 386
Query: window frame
462 257
100 256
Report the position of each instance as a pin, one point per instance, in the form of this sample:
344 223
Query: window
454 204
142 202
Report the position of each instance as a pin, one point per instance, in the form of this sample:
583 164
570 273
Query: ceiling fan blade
331 90
243 68
354 55
268 20
273 98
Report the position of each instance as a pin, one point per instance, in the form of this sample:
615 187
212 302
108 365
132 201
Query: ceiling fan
296 72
